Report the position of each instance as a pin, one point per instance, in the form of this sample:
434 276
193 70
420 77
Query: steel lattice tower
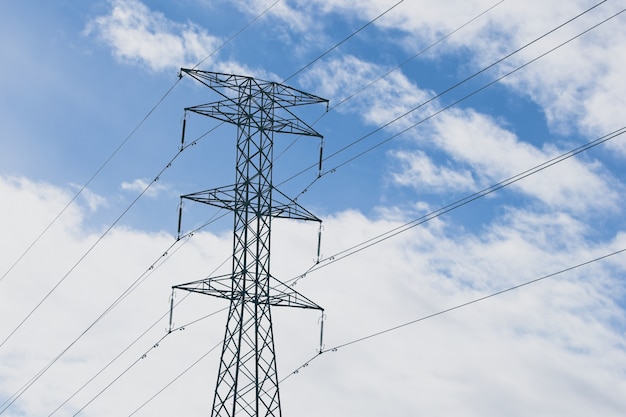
247 382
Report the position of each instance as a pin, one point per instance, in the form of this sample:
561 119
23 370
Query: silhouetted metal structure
247 382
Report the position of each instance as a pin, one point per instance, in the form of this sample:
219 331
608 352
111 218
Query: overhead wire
457 204
397 67
153 267
154 346
107 161
133 286
181 374
473 93
450 309
239 32
197 361
84 186
93 246
447 90
124 142
185 238
344 40
387 330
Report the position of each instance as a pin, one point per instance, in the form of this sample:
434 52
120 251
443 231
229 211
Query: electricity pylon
247 382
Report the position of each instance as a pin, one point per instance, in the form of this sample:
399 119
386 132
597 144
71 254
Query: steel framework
247 382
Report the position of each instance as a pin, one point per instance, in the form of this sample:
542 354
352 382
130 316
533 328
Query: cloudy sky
431 105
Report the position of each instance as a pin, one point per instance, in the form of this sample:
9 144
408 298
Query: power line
124 142
405 324
421 52
457 204
473 93
406 61
448 310
154 346
164 257
88 251
95 174
186 239
176 379
344 40
447 90
233 36
157 321
16 395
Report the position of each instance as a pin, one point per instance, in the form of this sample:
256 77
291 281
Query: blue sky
79 78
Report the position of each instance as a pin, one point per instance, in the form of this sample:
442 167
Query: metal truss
247 382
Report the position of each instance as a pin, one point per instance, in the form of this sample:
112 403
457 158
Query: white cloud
139 185
418 171
139 35
384 99
497 154
93 200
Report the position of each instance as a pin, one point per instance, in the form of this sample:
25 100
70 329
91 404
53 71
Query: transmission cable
153 267
448 310
449 89
96 242
124 142
250 23
182 373
15 396
154 346
397 67
457 204
393 328
344 40
95 174
177 378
